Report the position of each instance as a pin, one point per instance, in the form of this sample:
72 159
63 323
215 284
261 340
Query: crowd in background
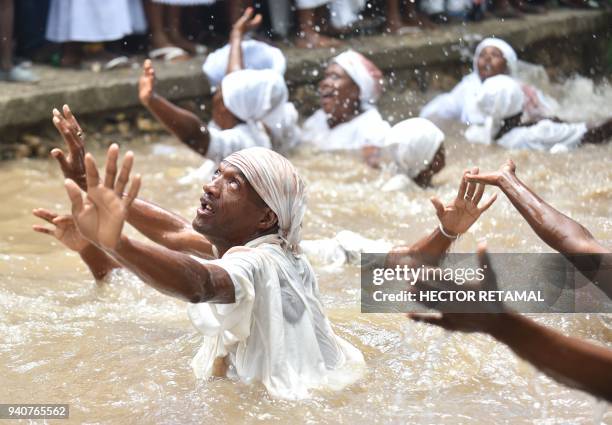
77 34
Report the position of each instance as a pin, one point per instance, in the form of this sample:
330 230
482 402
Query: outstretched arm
571 361
100 217
161 226
555 228
65 231
244 24
185 125
455 219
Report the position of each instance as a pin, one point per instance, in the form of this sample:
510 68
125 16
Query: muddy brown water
121 352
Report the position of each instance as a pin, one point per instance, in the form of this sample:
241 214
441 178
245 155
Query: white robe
366 129
244 135
276 331
546 135
93 21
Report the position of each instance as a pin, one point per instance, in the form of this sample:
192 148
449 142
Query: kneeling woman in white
348 118
501 101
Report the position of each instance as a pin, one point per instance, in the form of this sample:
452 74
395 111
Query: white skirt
93 20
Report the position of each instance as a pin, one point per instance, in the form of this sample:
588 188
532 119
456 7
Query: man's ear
269 219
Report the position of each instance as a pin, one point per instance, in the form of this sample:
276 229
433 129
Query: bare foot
178 40
313 40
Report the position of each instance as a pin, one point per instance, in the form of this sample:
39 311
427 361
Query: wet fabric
262 95
93 21
276 332
366 129
501 97
310 4
255 55
225 142
344 248
365 74
412 144
343 13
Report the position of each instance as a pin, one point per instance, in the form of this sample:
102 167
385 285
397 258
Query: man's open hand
72 165
64 229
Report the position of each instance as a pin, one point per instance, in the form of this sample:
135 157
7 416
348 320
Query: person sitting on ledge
501 101
348 118
492 57
244 101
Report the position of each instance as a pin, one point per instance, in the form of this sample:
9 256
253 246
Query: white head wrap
365 74
280 186
255 55
255 95
500 97
507 51
414 143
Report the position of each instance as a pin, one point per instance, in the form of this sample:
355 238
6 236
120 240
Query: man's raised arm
159 225
245 23
100 217
455 219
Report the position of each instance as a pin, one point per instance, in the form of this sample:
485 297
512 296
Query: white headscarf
507 51
365 74
255 55
255 95
500 97
414 143
280 186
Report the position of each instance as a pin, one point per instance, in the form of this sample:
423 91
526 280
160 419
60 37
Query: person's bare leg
394 17
174 30
414 18
72 54
308 36
599 134
155 16
6 34
503 9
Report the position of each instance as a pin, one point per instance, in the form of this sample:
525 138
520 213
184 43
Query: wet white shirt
366 129
244 135
276 331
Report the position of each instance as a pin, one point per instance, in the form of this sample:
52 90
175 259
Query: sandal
19 74
169 53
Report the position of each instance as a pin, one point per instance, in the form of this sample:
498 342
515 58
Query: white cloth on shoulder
412 144
501 97
460 102
365 74
93 21
262 95
225 142
255 55
366 129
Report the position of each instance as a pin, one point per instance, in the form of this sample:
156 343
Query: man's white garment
93 21
366 129
501 97
460 103
225 142
276 331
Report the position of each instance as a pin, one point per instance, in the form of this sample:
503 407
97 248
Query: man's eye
235 183
217 172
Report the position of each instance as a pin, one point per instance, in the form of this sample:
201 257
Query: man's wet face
230 209
491 62
338 93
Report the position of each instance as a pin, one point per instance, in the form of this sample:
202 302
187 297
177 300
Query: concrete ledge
446 49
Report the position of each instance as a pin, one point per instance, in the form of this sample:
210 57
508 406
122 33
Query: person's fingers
476 178
42 229
44 214
111 166
91 172
487 204
72 120
438 205
76 196
124 174
471 187
478 195
462 186
255 21
62 219
134 189
58 154
510 163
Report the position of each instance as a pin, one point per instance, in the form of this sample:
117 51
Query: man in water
253 296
